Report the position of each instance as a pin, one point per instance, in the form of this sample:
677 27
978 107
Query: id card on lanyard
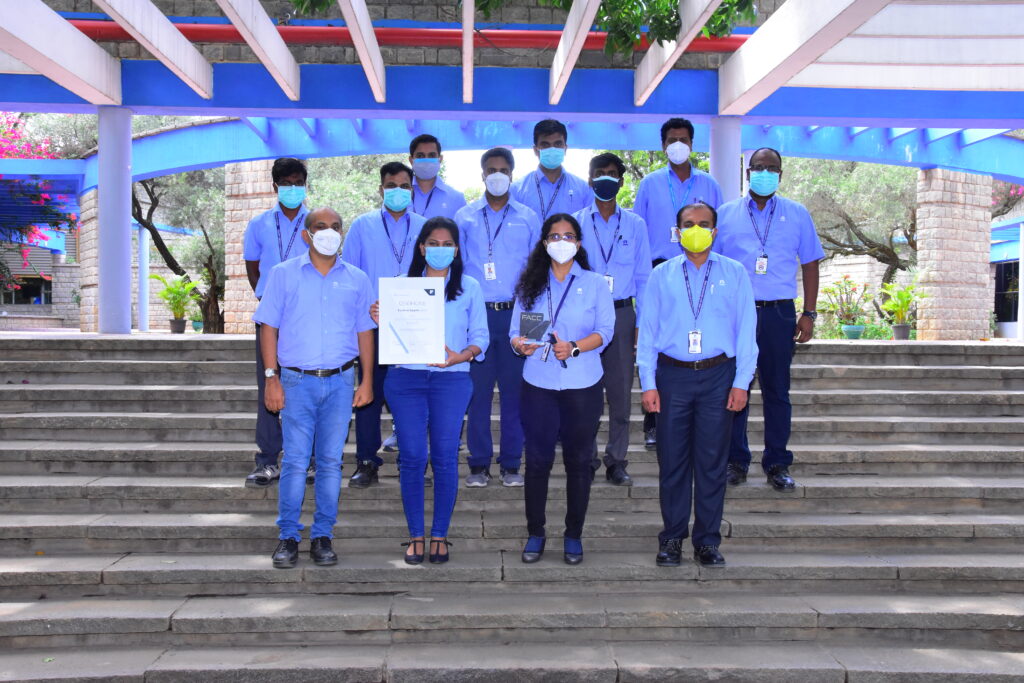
490 270
553 317
695 336
607 256
399 255
281 251
673 232
540 195
761 262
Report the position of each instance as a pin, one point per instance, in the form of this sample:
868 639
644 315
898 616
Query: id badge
545 353
611 282
694 338
761 266
673 232
490 272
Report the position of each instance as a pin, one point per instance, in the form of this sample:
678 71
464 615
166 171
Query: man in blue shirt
315 321
770 235
551 189
381 243
616 242
659 198
696 352
497 234
431 196
270 238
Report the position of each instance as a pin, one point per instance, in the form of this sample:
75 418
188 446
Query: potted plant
846 300
178 295
899 305
197 320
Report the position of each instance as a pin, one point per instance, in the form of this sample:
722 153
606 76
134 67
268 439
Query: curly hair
534 279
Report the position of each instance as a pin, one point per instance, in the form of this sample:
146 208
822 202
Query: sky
462 167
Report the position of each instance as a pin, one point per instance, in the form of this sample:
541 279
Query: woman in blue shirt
433 399
562 397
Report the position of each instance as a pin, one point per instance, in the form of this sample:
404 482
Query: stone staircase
133 552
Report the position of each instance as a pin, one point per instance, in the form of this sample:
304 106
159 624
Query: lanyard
429 197
672 191
553 315
615 237
487 224
767 227
704 288
399 256
281 251
540 195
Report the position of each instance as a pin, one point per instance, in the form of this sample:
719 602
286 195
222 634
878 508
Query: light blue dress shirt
728 319
791 240
260 241
570 193
587 309
660 196
617 247
379 252
511 246
465 323
317 316
442 200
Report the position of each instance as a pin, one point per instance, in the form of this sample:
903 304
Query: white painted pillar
1020 288
143 289
115 220
727 155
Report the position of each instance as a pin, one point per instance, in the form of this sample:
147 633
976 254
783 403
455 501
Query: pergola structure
925 83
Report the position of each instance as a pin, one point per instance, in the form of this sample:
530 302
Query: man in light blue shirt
697 352
497 234
270 238
315 321
771 236
616 242
431 196
381 243
551 189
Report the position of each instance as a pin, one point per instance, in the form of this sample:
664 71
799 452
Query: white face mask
562 251
497 184
678 152
327 242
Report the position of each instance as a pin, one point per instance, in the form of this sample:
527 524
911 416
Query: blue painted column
115 220
727 154
143 289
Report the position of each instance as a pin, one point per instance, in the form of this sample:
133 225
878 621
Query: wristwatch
575 353
813 315
270 372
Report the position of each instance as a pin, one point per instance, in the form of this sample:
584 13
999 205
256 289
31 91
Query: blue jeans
314 408
503 366
428 402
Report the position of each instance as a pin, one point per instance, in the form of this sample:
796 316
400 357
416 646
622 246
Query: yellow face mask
695 239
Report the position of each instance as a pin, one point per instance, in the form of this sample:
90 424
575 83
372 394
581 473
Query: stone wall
954 240
65 289
248 192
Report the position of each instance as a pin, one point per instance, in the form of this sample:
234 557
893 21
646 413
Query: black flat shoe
321 552
778 477
651 438
364 476
534 549
286 555
618 475
708 556
670 553
734 474
573 550
439 557
414 557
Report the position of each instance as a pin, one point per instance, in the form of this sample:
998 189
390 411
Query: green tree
349 185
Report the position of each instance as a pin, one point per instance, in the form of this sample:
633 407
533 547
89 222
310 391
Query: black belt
500 305
325 373
770 304
622 303
703 364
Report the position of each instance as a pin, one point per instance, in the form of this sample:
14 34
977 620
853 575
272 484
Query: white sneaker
511 477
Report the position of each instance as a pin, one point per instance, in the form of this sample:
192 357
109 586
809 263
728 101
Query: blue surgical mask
397 198
606 188
552 157
291 196
440 258
426 169
764 183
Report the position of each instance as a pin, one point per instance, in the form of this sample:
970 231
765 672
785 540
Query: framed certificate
411 320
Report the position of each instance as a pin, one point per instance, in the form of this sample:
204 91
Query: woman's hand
375 312
523 346
453 358
562 349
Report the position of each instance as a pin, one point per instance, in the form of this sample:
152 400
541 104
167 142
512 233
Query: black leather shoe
778 477
286 554
439 544
734 474
618 475
534 549
708 556
651 438
365 475
321 552
573 550
414 557
670 553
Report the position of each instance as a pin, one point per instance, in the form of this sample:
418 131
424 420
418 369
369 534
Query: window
1007 291
34 290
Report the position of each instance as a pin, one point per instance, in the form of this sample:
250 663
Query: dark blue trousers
693 447
503 366
775 325
368 417
268 425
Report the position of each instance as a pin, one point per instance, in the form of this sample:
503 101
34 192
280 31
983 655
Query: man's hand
804 329
562 349
363 395
651 401
375 312
273 395
453 358
737 400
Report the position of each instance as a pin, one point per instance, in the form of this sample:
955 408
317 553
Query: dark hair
768 149
286 166
419 262
675 123
607 159
534 279
549 127
698 205
498 152
425 138
394 168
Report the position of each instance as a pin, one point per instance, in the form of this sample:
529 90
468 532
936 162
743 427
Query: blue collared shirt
617 247
442 200
791 241
728 319
587 309
465 323
570 193
510 247
261 241
381 252
660 196
318 317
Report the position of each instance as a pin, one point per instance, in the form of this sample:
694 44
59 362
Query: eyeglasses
568 237
760 167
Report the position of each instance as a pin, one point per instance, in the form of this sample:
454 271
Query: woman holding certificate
432 399
562 320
